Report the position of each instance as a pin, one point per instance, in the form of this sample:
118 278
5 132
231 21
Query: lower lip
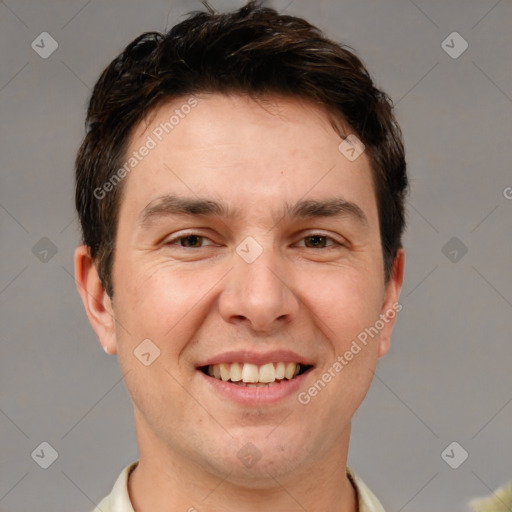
256 396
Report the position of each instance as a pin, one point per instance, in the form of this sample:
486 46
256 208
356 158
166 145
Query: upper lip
249 356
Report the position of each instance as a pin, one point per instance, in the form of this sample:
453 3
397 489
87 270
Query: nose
260 294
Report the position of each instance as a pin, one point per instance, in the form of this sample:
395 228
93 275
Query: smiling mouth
253 375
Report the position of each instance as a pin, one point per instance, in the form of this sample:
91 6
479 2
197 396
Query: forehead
239 119
232 146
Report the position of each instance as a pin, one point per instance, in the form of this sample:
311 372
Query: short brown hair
253 51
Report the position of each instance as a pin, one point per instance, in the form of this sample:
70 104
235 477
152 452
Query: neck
165 480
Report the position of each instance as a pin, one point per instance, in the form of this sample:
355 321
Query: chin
256 461
269 472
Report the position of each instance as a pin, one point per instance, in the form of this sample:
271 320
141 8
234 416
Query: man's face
261 286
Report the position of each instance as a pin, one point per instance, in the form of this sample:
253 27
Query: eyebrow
170 204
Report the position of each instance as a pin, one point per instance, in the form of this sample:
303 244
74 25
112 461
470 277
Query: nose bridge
259 267
258 289
261 274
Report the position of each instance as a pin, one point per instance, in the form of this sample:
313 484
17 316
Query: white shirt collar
119 500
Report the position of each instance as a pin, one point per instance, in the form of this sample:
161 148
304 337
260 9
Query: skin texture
199 301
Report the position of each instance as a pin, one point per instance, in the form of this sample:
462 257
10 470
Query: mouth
255 376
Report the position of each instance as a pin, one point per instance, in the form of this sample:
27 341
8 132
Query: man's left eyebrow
332 207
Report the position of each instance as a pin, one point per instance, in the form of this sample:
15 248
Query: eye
188 241
195 241
319 241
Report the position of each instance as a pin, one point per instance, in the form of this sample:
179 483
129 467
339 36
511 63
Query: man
241 193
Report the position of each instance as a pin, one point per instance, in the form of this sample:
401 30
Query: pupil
316 239
190 237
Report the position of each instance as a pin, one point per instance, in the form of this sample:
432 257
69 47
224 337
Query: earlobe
391 306
97 303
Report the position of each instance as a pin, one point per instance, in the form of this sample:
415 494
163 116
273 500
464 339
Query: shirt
119 500
499 501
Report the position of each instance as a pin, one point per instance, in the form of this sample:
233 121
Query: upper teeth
248 372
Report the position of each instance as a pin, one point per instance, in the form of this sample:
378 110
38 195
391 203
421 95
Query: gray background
448 374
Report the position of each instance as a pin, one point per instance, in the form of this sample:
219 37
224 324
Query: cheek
346 301
162 302
148 291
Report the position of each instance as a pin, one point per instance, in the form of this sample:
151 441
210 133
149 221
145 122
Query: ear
97 303
390 305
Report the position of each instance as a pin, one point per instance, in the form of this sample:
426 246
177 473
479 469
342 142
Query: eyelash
183 237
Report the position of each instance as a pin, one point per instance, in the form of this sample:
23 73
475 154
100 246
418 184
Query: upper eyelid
337 242
186 235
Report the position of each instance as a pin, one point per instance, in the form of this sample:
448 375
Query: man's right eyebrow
175 205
